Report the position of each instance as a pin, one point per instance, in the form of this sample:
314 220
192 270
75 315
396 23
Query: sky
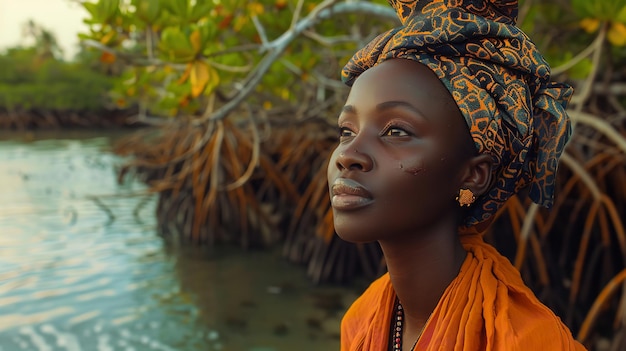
64 18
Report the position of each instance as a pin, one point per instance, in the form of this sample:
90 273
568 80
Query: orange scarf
486 307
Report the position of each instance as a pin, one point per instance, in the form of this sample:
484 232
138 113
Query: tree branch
278 46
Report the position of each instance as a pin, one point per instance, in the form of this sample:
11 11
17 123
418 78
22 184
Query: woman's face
403 143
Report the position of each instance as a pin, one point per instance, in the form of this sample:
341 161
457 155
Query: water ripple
79 271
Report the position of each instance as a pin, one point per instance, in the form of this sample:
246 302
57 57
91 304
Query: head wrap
501 85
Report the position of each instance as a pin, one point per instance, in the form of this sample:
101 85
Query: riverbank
45 119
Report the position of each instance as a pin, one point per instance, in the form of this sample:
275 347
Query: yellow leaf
106 39
590 25
196 41
214 81
267 105
240 21
617 34
256 8
185 75
199 77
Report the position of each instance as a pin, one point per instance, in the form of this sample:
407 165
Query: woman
411 175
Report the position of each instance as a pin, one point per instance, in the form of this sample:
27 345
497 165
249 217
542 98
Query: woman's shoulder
537 327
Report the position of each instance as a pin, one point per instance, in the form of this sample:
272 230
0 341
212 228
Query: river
82 268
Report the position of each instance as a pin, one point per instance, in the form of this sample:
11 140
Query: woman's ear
478 174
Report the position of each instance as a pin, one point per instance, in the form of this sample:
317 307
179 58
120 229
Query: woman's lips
348 194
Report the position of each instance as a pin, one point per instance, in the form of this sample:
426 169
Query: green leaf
147 10
102 11
176 45
201 9
179 8
621 16
605 10
91 8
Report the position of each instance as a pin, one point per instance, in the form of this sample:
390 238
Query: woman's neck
421 266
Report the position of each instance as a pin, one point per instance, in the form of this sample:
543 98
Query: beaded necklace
396 339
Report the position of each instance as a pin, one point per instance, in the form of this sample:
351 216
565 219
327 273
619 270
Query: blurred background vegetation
239 100
39 89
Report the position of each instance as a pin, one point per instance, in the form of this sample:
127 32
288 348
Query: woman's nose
351 158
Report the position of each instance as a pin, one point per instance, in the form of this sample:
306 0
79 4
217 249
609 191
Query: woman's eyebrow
399 103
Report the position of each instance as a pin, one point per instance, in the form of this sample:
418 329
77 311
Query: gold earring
466 197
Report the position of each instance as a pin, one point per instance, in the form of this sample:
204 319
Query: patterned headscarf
500 82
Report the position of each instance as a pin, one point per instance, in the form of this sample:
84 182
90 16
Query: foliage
29 82
39 88
188 57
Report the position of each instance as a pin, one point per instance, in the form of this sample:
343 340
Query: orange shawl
486 307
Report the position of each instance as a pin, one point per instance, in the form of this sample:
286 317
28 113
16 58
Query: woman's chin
353 236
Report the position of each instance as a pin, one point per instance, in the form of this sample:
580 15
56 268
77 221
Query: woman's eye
394 131
345 132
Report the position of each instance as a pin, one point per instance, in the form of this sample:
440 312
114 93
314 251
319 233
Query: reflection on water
81 268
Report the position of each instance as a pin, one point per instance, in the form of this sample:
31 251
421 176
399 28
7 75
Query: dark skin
404 153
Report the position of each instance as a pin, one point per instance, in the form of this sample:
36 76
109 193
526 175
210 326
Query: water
81 267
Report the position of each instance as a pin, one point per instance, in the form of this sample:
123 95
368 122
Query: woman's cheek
412 166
